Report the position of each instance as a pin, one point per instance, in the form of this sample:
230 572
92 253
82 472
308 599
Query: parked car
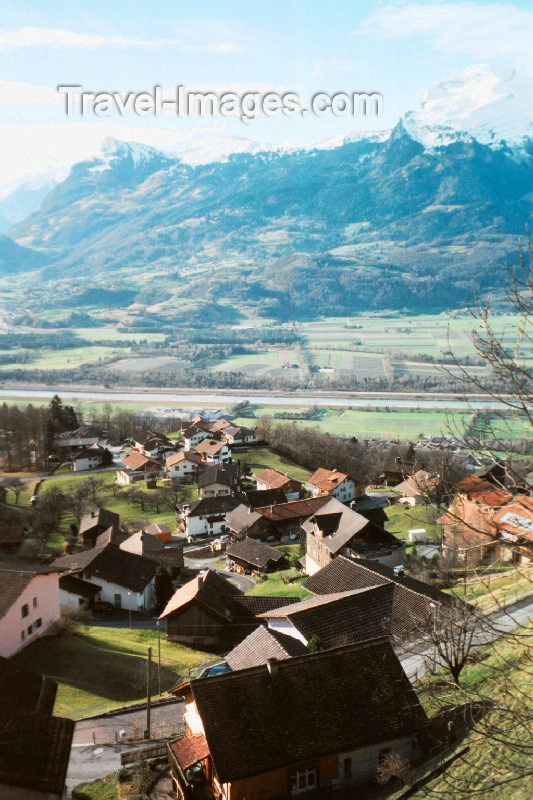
102 608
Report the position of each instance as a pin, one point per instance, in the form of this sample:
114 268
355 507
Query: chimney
272 666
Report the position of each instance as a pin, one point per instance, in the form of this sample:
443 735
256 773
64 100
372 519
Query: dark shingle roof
322 703
112 564
226 475
411 597
263 497
254 552
296 509
261 645
213 505
74 585
36 753
99 518
35 738
22 691
342 618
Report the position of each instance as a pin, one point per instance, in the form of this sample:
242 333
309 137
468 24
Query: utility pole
159 657
148 690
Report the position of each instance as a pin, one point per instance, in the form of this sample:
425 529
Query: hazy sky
398 49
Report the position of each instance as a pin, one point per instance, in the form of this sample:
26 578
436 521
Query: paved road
500 623
166 720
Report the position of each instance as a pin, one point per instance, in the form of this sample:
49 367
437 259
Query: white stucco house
207 516
125 579
182 465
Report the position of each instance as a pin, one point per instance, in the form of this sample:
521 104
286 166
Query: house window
35 602
30 630
25 610
302 778
347 768
22 636
38 623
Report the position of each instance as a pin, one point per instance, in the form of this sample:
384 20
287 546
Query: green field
277 584
61 359
259 458
104 667
386 424
119 503
403 518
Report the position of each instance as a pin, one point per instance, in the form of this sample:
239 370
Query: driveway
166 719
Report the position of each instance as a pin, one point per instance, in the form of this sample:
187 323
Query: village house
84 436
334 483
237 436
75 594
417 488
253 556
90 457
271 479
413 602
486 524
243 521
320 721
286 519
29 604
211 612
335 620
126 579
194 435
143 544
36 746
207 516
154 445
258 498
183 465
137 467
262 645
336 529
219 480
214 451
96 522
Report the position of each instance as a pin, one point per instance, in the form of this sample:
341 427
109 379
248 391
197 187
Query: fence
142 753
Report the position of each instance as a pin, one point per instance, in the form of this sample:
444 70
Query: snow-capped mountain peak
482 103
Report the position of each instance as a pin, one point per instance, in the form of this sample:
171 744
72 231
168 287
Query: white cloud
481 32
58 38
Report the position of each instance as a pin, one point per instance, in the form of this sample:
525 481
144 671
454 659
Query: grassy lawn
489 757
490 590
260 458
275 585
119 503
103 789
403 518
104 667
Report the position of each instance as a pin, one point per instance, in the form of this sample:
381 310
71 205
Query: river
172 399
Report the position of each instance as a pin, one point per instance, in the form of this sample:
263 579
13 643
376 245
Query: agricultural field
385 424
70 358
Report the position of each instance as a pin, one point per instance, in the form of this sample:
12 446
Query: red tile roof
482 491
327 479
190 750
137 461
293 510
274 479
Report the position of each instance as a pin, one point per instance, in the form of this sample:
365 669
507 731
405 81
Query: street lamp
159 657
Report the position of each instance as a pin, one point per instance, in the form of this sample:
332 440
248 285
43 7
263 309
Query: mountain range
418 217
